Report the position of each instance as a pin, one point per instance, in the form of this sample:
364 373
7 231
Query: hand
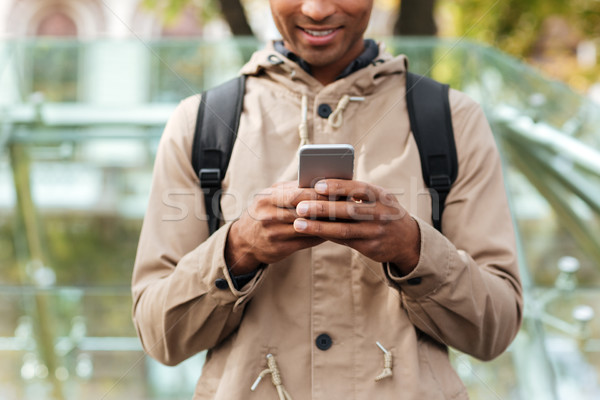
370 220
265 233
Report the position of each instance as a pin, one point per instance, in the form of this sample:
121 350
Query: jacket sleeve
465 291
184 300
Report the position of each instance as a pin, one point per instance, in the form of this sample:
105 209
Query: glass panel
60 81
183 68
75 172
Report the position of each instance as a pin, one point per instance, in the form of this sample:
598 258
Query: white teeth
319 33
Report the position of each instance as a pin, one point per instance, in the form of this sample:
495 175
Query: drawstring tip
387 363
275 378
381 347
255 384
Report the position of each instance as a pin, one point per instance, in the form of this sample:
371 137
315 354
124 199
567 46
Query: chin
321 58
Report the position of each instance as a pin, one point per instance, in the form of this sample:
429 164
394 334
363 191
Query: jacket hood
285 71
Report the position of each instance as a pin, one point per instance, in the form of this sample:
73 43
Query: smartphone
323 161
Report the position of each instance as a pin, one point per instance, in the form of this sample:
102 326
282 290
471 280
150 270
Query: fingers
286 195
284 219
277 204
355 190
270 248
291 198
346 210
350 210
270 215
336 231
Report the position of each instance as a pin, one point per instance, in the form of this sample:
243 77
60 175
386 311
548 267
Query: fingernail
321 187
302 208
300 225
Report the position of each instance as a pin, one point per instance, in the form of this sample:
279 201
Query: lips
319 33
319 37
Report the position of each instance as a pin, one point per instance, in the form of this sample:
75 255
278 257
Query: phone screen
322 161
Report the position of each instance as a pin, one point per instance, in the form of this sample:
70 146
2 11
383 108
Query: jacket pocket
435 356
206 387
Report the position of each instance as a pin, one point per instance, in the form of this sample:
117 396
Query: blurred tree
415 18
231 10
544 32
234 14
515 25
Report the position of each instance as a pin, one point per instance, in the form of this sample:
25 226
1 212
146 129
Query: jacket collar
288 73
369 54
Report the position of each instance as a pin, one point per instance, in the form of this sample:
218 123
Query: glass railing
79 127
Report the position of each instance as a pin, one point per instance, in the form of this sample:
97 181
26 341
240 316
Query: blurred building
79 125
114 62
91 19
130 18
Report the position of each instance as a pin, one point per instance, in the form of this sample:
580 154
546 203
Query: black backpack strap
431 123
216 131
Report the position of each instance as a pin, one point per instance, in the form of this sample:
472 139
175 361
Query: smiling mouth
319 33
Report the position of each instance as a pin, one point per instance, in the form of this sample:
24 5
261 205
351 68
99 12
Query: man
359 307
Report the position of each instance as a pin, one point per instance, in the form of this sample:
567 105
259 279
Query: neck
332 69
324 76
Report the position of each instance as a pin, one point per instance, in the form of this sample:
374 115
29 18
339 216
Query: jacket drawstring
303 127
335 118
276 60
387 363
289 70
275 378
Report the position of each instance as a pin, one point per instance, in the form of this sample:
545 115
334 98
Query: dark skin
286 219
265 233
341 23
328 34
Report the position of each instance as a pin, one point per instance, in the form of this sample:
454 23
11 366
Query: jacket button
414 281
324 110
221 284
323 342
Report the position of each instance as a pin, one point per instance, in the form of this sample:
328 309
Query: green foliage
544 32
91 249
514 25
170 10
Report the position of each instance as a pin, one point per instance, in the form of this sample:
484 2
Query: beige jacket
468 297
